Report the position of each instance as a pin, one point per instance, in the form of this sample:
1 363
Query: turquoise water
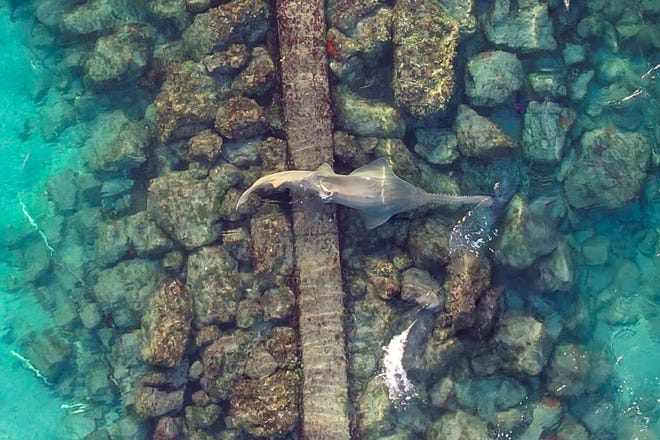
620 298
31 408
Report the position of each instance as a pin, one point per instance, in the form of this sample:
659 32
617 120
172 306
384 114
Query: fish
373 190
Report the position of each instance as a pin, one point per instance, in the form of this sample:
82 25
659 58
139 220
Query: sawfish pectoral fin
373 219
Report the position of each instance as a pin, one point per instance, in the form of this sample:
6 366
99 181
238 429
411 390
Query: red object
330 48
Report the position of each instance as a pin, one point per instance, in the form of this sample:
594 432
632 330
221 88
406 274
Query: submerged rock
187 102
373 408
468 278
224 361
438 146
545 128
458 425
479 137
119 58
214 284
367 118
267 407
49 353
116 143
525 28
146 238
122 290
240 118
272 249
98 17
186 208
491 77
425 41
574 371
239 21
205 146
525 236
166 324
259 75
522 343
610 169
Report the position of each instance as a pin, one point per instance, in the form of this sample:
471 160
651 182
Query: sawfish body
373 190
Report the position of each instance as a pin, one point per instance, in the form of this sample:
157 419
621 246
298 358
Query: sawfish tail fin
477 228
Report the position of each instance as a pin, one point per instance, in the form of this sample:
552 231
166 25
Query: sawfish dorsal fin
325 170
379 168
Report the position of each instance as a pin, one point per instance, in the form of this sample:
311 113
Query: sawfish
373 190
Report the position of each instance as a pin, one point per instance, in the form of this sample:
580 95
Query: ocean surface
627 284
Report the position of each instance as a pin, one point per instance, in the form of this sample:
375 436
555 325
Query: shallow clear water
27 163
630 340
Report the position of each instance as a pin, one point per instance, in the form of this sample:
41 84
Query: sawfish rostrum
373 190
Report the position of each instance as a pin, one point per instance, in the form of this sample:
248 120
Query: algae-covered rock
468 278
267 407
116 143
438 146
429 244
224 361
366 117
214 284
119 58
239 21
479 137
227 61
272 250
186 208
610 169
166 324
186 103
522 343
278 303
258 77
491 77
373 407
240 118
525 28
545 128
425 41
205 146
458 425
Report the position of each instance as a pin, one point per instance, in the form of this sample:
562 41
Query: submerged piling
308 125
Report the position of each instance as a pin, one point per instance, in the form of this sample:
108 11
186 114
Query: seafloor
137 302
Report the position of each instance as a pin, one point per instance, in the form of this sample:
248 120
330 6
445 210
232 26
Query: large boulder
166 324
119 58
122 291
525 28
214 284
186 207
266 407
479 137
545 128
522 343
491 77
239 21
425 40
116 143
187 102
609 170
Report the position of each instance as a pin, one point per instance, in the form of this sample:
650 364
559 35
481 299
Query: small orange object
330 48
